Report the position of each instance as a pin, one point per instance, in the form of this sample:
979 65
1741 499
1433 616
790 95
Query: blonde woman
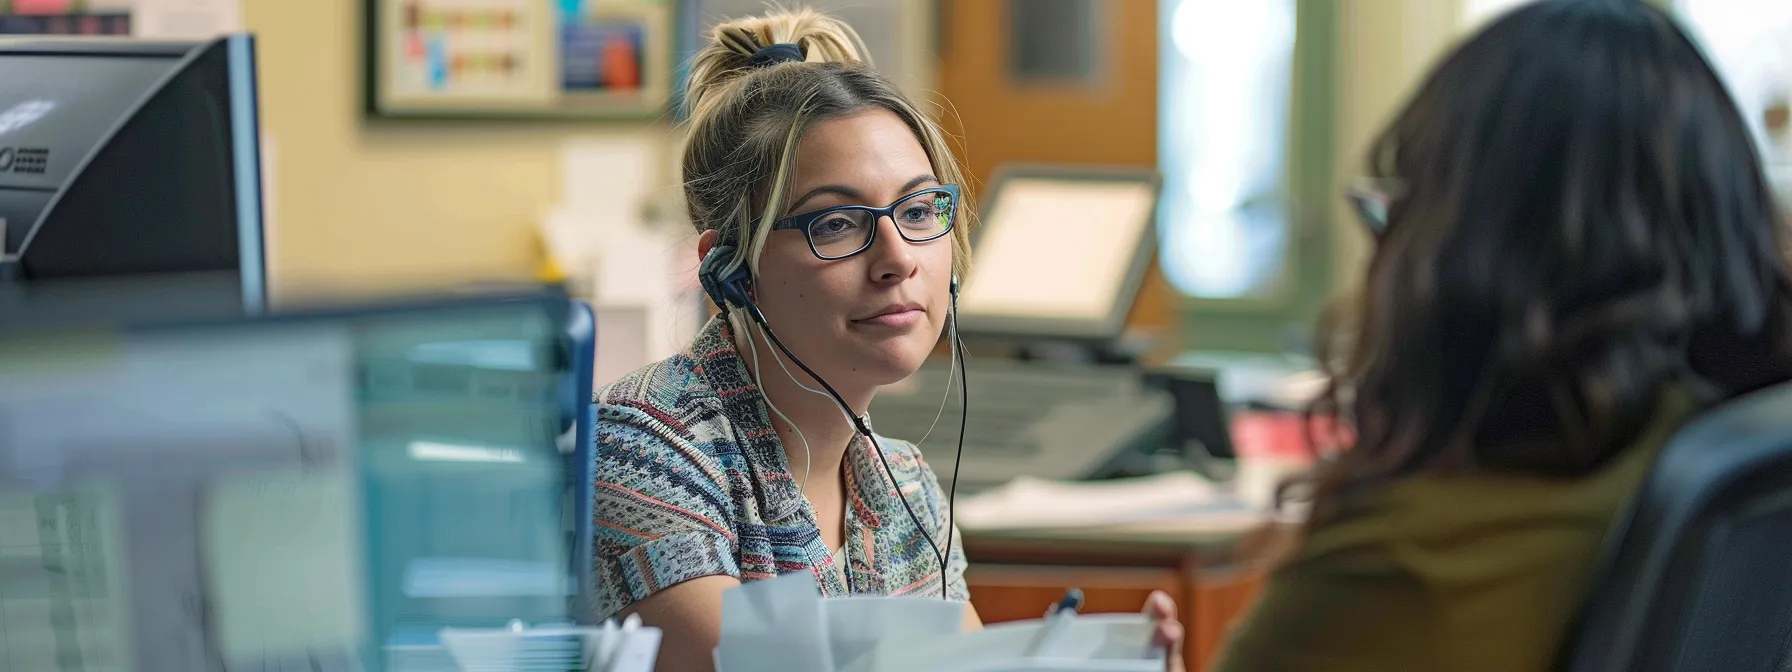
832 227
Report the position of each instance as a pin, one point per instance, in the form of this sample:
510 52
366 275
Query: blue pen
1056 621
1072 601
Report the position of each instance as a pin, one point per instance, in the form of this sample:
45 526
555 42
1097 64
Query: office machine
130 177
1060 255
317 491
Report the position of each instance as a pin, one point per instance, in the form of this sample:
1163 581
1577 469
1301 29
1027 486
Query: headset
732 290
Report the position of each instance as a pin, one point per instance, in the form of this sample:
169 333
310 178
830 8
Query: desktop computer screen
318 492
1060 253
129 175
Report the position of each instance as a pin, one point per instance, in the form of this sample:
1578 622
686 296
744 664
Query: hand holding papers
783 624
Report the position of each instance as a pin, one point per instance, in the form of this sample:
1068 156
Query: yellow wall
362 205
1385 46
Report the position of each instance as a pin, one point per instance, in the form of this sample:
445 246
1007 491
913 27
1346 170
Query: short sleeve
661 513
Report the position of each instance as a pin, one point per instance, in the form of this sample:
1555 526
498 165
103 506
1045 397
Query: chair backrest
1699 577
581 335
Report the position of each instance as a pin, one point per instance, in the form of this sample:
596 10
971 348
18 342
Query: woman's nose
892 256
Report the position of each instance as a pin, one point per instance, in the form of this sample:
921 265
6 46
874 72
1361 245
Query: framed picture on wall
65 17
585 59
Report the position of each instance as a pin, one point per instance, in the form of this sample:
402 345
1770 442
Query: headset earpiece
727 288
954 285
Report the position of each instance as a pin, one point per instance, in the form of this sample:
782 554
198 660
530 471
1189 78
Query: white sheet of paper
856 625
1039 503
1100 642
60 587
774 626
185 19
281 564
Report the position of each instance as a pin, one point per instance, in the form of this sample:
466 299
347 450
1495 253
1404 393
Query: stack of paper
783 624
1031 503
612 648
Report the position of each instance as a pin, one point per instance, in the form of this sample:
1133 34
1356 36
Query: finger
1160 606
1168 635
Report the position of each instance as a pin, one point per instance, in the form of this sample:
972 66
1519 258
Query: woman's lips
900 319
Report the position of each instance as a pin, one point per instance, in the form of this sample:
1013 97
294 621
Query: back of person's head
748 108
1578 223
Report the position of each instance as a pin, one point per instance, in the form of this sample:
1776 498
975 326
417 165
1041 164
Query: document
783 624
62 600
774 626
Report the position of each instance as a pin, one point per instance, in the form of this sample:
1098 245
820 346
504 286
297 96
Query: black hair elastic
783 52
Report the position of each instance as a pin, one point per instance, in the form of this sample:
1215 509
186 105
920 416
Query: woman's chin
892 362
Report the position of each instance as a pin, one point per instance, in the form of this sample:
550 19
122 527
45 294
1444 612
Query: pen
1056 621
1072 601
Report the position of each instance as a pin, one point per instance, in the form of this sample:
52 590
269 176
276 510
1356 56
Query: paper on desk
774 626
1029 502
1108 642
856 625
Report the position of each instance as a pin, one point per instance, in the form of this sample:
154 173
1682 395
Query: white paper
1107 642
637 651
59 552
185 19
774 626
857 625
1028 502
1057 249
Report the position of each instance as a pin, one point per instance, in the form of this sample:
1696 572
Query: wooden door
1109 117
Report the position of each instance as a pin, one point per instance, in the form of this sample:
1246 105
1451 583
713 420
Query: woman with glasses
1576 251
832 228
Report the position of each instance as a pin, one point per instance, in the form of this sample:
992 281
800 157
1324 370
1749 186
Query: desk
1213 574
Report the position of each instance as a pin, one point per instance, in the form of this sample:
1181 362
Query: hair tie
777 53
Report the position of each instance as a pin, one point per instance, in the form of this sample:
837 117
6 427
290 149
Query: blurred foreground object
328 489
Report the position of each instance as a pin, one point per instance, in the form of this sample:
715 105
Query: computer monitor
130 175
320 492
1060 253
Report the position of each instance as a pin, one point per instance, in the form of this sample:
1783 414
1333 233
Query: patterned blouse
692 481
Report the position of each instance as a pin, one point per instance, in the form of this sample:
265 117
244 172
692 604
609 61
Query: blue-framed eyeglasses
842 231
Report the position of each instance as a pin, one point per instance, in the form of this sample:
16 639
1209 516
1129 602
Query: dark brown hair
1582 223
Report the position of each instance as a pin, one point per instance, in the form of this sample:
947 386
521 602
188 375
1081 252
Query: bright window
1750 43
1226 73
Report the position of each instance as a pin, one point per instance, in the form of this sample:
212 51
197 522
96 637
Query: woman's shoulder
662 384
664 411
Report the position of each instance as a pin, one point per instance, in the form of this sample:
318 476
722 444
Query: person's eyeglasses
1371 198
842 231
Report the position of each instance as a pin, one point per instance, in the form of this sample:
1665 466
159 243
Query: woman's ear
706 241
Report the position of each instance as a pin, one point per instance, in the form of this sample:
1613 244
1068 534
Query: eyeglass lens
920 217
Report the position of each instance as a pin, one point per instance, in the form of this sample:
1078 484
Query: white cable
951 375
760 381
812 391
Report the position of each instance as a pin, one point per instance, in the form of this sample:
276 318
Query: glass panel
1226 74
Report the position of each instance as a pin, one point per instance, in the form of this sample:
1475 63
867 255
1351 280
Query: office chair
1699 577
581 341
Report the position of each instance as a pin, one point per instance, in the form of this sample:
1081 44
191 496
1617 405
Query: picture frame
519 59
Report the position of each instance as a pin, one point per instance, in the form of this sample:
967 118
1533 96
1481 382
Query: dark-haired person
1579 253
